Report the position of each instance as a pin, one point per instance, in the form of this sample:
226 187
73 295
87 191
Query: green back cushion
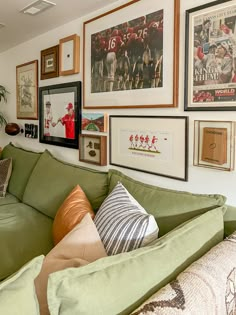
230 220
118 284
52 181
169 207
24 234
23 163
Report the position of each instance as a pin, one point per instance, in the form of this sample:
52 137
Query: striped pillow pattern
123 224
5 173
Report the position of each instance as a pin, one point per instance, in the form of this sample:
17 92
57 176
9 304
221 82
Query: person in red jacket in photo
69 122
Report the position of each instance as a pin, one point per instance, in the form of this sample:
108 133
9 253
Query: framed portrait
60 114
69 55
130 56
27 90
50 63
214 144
93 149
152 144
210 52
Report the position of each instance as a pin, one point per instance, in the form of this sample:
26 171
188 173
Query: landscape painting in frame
60 114
127 55
94 122
210 76
156 145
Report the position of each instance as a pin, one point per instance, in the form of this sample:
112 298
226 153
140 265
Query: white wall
201 180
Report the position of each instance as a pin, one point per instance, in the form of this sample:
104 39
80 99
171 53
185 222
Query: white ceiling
22 27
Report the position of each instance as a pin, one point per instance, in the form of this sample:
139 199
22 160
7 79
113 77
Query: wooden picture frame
69 55
152 144
93 149
113 68
210 62
60 114
50 63
214 144
27 90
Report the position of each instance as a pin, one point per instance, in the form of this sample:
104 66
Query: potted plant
3 97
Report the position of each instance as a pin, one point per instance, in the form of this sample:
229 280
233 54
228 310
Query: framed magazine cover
131 56
60 114
210 52
214 144
152 144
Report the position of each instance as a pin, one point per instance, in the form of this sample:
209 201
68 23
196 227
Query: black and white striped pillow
5 173
123 224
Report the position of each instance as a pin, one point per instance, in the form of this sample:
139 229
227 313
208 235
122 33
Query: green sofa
189 226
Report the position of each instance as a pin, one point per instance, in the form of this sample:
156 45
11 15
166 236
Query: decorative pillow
119 284
79 247
123 224
208 286
17 293
71 212
5 173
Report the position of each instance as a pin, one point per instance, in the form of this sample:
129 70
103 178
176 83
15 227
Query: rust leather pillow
70 213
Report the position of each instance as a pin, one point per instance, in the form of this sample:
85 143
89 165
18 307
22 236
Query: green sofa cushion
230 220
23 163
24 234
118 284
52 181
169 207
8 199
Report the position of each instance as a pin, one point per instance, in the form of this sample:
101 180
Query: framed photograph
27 90
60 114
151 144
93 149
69 55
94 122
131 55
214 144
50 62
210 52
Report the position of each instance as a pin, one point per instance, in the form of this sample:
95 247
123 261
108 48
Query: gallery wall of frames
122 90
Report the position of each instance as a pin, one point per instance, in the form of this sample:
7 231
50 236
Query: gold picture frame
27 90
69 55
50 63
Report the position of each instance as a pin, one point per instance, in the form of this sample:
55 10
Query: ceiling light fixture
37 7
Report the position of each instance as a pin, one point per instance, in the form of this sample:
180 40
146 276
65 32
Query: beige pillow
79 247
5 174
70 213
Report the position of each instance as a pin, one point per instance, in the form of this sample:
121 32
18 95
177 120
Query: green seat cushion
52 181
230 220
8 199
169 207
24 233
23 163
118 284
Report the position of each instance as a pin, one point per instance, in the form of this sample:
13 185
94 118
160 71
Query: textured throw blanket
207 287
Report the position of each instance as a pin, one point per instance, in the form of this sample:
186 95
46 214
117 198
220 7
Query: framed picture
94 122
93 149
131 55
27 90
69 55
210 74
50 62
151 144
60 114
214 144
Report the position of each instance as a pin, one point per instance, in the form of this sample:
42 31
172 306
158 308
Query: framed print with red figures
131 56
210 52
60 114
151 144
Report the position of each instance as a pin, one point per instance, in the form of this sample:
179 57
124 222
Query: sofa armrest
229 220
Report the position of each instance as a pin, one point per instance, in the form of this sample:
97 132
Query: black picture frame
60 114
210 65
152 144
